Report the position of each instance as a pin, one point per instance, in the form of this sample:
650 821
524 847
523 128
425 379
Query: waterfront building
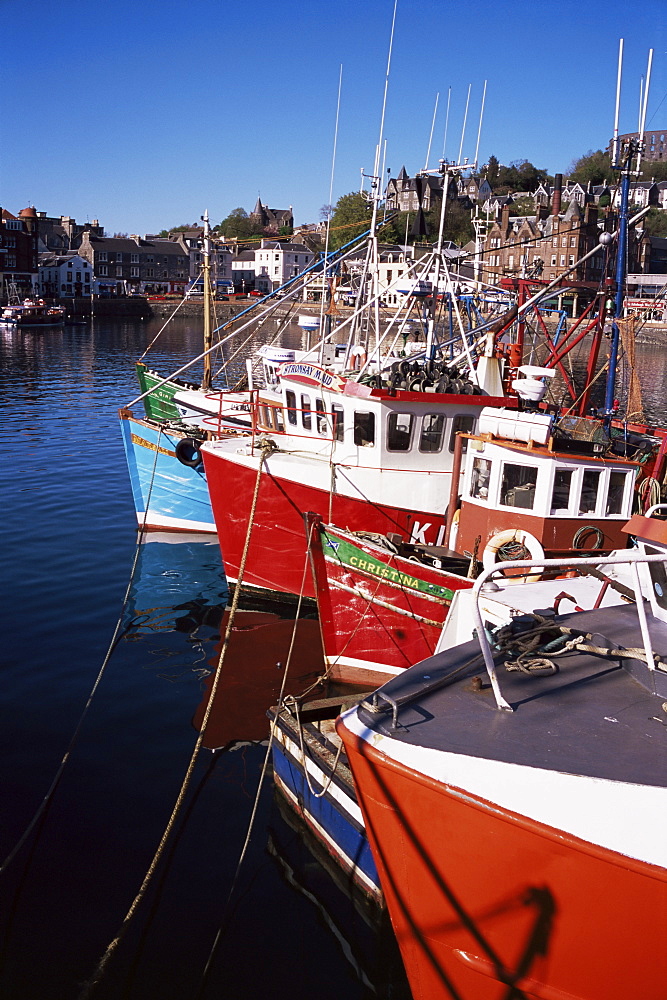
64 276
129 264
276 261
18 253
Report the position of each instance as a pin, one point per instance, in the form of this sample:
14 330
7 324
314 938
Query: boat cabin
517 480
324 413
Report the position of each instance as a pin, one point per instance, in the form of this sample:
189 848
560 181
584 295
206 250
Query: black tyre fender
188 452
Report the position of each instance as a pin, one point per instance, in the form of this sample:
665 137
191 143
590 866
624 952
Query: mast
206 274
623 161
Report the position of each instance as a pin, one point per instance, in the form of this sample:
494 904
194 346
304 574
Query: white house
64 275
277 261
243 271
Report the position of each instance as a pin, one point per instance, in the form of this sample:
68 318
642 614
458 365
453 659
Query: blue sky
143 114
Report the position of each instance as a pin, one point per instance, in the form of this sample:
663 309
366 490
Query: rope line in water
102 965
265 764
112 645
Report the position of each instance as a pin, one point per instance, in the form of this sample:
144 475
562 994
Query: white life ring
524 538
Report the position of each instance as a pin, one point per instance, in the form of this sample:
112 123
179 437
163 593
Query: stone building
545 245
126 265
272 218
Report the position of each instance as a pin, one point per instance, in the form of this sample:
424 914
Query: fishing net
634 407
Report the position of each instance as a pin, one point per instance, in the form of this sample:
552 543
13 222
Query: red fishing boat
531 487
515 794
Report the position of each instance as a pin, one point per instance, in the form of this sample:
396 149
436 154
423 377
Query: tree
655 222
164 233
492 171
593 167
238 225
351 217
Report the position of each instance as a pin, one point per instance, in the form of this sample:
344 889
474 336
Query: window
573 241
570 260
149 272
564 241
518 484
553 259
305 412
11 260
290 400
466 424
103 255
338 424
589 492
104 270
119 258
560 497
134 272
399 431
616 492
364 429
134 258
433 432
479 481
320 418
562 260
554 242
119 272
86 278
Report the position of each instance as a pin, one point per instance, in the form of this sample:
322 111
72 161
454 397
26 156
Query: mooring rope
102 965
112 645
265 764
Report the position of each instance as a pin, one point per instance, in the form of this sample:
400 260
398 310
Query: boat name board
348 554
312 375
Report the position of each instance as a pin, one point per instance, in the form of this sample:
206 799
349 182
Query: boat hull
481 896
328 805
167 495
277 554
379 612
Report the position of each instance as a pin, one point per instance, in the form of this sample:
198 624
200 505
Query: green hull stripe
347 554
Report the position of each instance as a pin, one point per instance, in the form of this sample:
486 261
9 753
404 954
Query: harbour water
280 925
69 545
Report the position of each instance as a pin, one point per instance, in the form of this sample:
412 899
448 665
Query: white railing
631 557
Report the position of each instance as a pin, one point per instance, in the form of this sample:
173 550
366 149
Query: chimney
505 218
558 191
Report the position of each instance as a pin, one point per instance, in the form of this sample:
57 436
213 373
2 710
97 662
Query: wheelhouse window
433 432
616 492
290 400
364 429
479 481
320 417
518 486
338 423
305 412
560 496
465 423
590 487
399 431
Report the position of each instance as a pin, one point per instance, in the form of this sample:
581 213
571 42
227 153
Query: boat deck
592 717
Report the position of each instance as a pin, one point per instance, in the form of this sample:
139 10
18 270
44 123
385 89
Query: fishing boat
310 764
32 313
313 777
531 487
514 788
